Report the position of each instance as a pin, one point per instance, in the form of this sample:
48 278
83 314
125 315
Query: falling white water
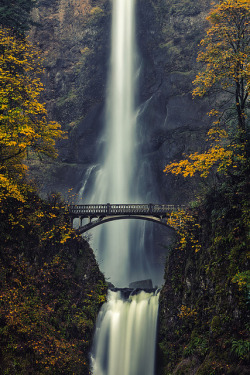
114 180
124 342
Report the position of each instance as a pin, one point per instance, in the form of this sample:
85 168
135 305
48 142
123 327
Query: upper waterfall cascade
117 253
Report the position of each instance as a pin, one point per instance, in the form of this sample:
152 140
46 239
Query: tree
15 14
221 154
225 55
24 124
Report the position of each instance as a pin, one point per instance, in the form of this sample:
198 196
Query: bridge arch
103 213
107 219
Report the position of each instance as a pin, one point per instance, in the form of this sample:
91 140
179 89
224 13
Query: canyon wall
74 37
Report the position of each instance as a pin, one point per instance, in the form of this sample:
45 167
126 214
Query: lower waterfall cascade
124 341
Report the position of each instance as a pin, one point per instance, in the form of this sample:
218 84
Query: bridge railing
95 210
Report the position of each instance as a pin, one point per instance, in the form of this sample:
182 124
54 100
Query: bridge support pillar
80 221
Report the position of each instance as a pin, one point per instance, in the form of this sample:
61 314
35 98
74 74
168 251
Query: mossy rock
216 324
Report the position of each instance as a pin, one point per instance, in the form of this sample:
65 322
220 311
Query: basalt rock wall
74 39
74 36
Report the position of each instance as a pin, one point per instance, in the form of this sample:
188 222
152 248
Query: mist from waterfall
124 342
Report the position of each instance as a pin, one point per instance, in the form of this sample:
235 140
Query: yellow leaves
226 58
186 312
242 279
96 11
8 188
24 122
217 134
225 47
214 112
65 236
58 230
221 154
186 228
52 215
31 320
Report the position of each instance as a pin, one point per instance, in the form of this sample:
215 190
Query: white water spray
125 336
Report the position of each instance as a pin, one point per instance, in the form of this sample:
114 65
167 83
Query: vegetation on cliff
50 285
204 313
225 54
24 122
16 14
51 290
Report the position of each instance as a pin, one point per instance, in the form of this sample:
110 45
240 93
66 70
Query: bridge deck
99 210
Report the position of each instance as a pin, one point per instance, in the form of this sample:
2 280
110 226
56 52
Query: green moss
63 101
216 324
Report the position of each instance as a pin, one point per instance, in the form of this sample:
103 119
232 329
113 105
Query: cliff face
171 122
51 290
75 39
204 303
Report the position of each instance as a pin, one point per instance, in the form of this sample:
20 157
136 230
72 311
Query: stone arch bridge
98 214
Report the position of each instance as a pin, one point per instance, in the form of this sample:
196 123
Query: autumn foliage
50 289
221 155
226 55
47 314
50 286
24 124
210 259
187 229
225 52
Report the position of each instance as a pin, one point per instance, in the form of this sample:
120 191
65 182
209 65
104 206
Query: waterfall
114 182
124 342
125 336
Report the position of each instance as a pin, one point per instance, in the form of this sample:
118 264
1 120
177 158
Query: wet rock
142 284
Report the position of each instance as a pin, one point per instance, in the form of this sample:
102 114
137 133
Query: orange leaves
217 134
183 167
